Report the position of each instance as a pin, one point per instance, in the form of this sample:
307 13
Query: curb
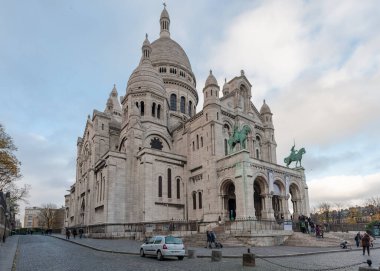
224 256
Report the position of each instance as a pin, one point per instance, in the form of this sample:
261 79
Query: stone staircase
199 240
299 239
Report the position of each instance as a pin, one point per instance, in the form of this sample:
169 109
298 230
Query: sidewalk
8 252
125 246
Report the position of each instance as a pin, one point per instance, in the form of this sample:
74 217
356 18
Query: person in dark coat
357 239
365 243
80 233
67 234
208 235
74 233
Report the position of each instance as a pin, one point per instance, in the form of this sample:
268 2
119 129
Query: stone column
268 212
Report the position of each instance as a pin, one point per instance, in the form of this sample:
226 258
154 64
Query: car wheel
159 256
180 258
142 254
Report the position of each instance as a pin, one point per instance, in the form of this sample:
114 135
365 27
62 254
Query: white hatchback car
163 246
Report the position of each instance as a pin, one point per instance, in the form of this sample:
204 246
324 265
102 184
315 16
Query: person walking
365 243
213 238
80 233
67 234
357 239
74 233
208 236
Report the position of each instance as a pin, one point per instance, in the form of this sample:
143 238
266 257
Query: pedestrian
80 233
67 234
365 243
208 245
213 238
74 233
357 239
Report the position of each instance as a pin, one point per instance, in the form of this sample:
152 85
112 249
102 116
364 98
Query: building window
169 183
160 186
197 142
178 188
190 107
193 146
200 200
173 102
183 102
153 109
225 147
159 111
201 141
156 143
142 108
102 126
194 200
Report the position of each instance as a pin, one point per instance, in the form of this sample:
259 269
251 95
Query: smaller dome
265 109
211 80
145 75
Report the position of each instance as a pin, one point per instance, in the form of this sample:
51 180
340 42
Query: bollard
216 255
249 259
191 254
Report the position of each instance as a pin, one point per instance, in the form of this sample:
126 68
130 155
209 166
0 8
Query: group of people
74 233
211 240
364 241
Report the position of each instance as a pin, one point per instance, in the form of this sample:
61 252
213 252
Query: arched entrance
277 203
229 200
295 200
257 198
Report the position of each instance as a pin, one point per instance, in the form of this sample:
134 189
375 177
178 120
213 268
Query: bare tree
325 209
47 215
9 164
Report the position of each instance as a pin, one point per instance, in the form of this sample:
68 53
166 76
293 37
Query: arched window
160 186
178 188
201 141
173 102
159 111
190 108
194 200
197 142
183 102
169 183
200 200
142 108
193 146
211 93
153 109
225 147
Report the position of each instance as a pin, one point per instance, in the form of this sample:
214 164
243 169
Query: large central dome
167 51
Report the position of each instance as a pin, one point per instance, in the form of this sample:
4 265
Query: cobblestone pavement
41 253
7 252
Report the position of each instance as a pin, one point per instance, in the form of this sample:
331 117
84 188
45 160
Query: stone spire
146 50
113 106
164 23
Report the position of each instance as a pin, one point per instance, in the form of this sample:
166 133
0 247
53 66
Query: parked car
163 246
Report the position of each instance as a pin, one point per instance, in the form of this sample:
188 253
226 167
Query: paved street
40 253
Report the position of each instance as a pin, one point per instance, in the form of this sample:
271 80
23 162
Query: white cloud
348 190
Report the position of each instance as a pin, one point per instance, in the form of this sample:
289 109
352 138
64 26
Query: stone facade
151 157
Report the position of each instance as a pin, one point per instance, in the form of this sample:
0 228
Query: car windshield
172 240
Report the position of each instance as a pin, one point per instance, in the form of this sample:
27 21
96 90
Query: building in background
32 217
150 157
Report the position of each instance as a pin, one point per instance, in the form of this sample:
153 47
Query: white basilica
150 157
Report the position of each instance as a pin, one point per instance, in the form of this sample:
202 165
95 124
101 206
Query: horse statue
295 156
239 137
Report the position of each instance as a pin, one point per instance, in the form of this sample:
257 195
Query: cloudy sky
316 63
